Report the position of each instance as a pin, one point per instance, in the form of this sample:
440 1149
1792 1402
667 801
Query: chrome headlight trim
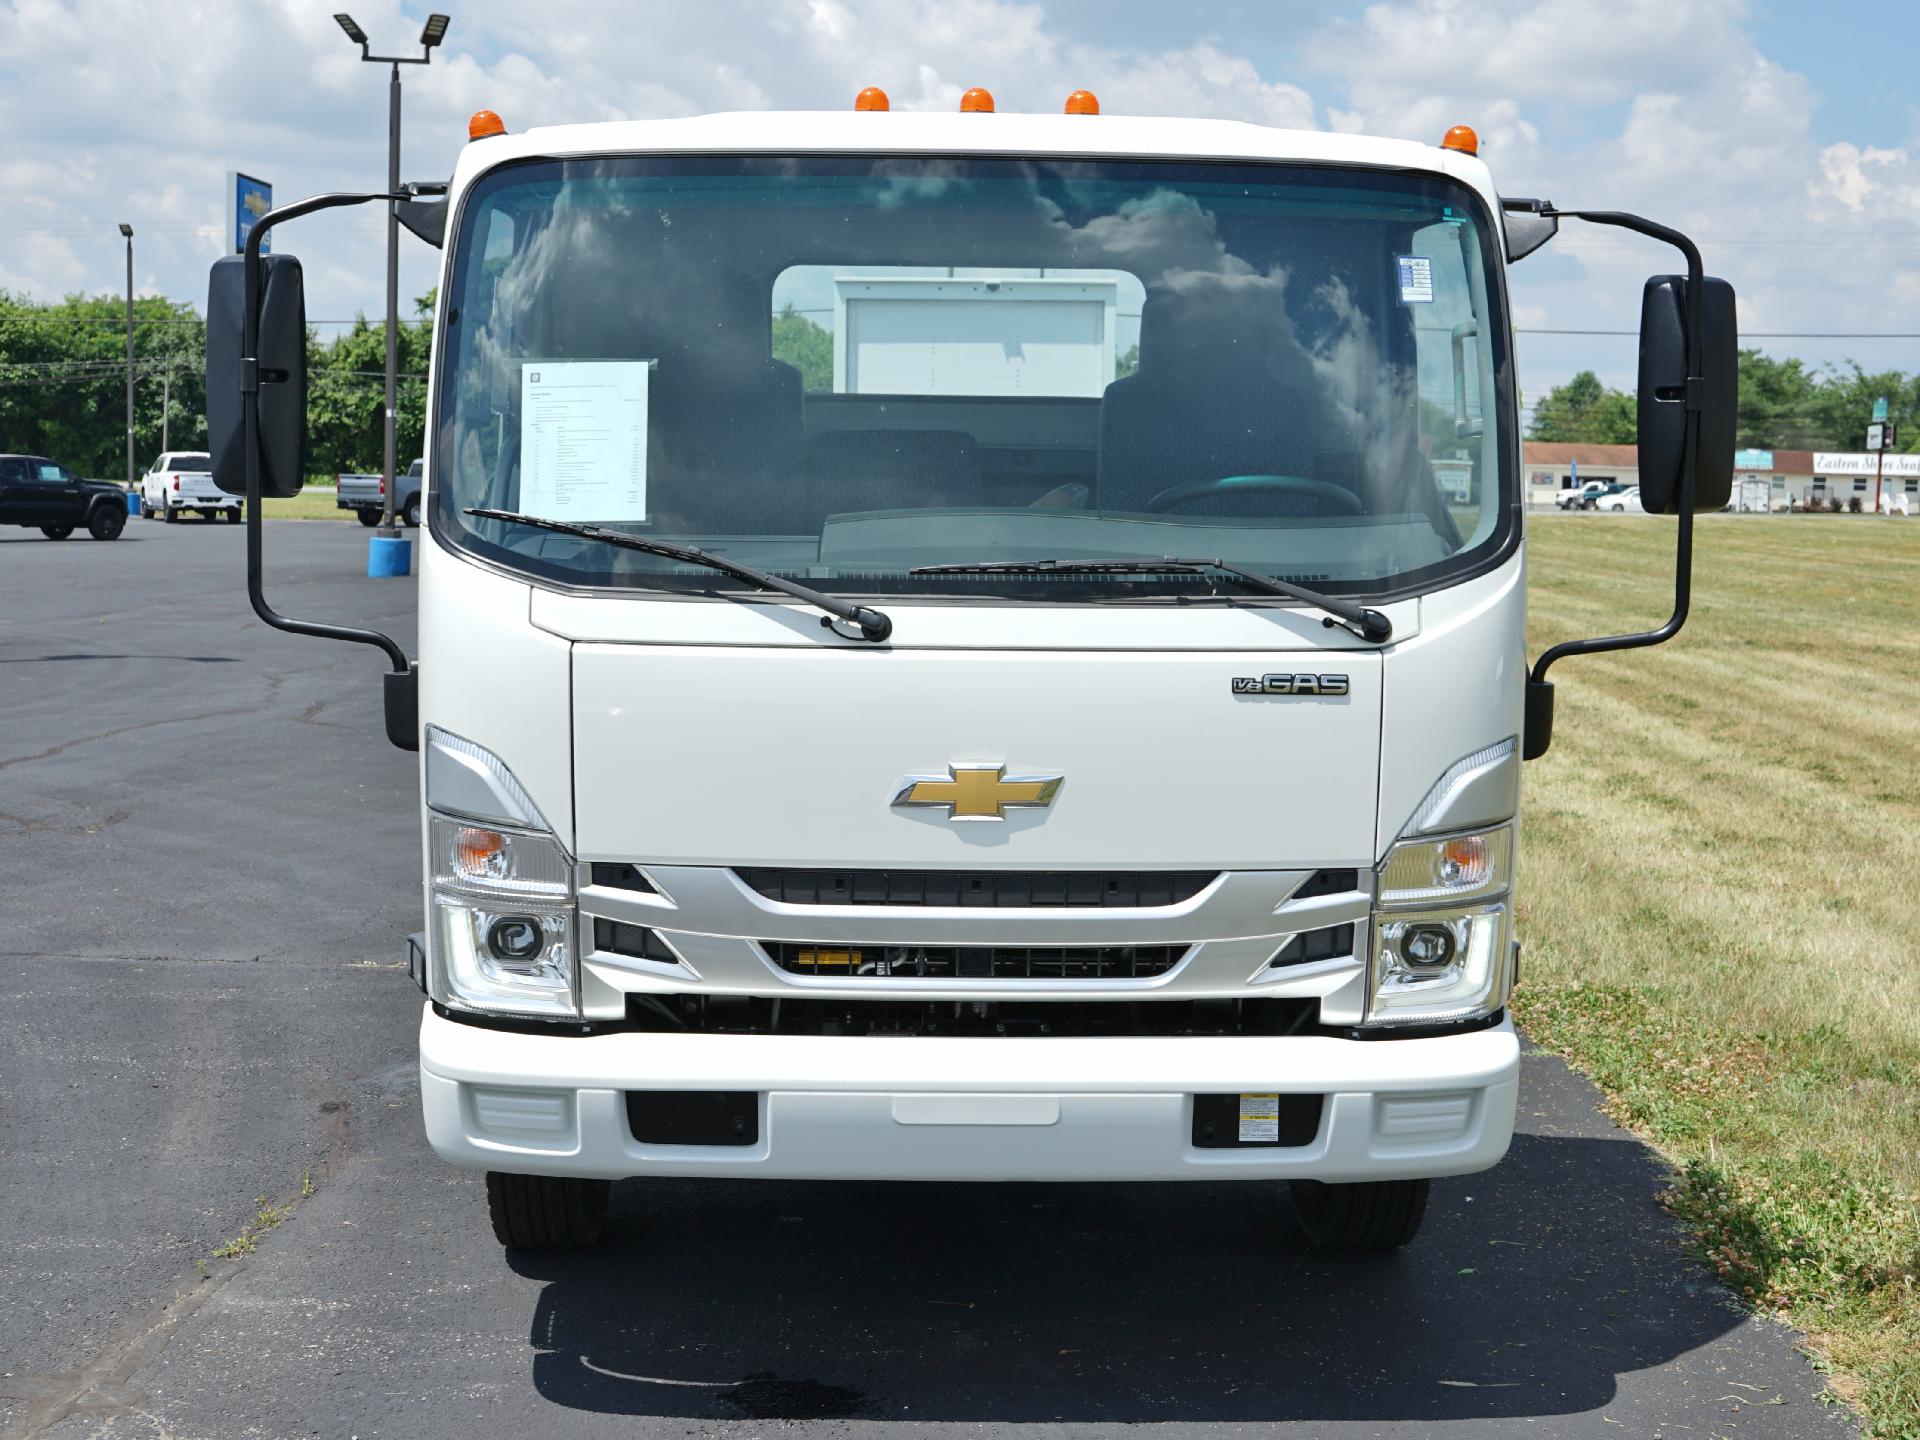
469 780
1477 790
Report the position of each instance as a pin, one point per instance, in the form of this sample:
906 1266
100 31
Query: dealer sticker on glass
1259 1118
1416 279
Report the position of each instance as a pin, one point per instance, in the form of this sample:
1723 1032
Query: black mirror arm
250 438
1539 700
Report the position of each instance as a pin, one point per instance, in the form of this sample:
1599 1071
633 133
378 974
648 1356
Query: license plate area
1255 1121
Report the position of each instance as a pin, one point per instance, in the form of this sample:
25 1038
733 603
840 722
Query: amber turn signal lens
1465 861
872 98
1083 102
485 123
479 854
1462 138
976 102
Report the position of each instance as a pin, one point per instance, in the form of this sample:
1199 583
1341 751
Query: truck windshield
846 370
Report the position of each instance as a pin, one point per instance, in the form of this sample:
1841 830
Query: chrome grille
842 961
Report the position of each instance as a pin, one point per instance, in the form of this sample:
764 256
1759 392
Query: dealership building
1791 478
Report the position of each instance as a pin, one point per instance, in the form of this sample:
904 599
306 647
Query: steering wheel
1337 496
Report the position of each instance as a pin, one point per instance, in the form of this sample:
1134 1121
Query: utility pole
127 231
166 404
430 36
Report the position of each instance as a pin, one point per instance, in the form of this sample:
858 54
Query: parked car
182 480
1626 500
34 491
367 494
1579 499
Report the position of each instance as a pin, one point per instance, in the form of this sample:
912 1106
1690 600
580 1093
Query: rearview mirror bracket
1538 734
402 686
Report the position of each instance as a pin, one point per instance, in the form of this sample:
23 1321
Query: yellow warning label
1259 1118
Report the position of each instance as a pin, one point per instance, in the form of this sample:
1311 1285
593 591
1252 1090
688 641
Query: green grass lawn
1720 901
307 505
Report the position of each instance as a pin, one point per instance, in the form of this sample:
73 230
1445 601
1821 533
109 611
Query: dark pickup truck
34 491
367 495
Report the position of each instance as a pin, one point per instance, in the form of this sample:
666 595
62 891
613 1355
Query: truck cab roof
929 132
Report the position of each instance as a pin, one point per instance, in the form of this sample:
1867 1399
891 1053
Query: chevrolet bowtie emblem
978 792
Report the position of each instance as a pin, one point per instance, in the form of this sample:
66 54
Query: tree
1583 411
805 346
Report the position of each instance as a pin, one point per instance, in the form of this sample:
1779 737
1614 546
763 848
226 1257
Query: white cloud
135 111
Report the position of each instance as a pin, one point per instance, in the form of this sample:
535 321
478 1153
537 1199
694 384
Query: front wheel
233 515
412 516
106 522
56 532
546 1212
368 518
1371 1215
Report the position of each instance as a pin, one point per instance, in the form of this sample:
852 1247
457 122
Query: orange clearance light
1083 102
871 98
1462 138
485 123
976 102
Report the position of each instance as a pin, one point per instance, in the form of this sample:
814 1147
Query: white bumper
875 1108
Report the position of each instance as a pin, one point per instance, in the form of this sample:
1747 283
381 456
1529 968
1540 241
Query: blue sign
247 200
1753 459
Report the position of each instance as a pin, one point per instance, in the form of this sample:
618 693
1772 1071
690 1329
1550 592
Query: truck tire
412 515
546 1212
1372 1215
233 515
56 532
107 521
168 513
368 518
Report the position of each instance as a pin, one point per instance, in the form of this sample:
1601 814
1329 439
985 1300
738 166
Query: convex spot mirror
283 375
1663 394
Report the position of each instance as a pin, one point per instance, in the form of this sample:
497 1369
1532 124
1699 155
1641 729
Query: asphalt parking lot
210 858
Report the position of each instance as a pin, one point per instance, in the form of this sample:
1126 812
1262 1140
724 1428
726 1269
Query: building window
1859 487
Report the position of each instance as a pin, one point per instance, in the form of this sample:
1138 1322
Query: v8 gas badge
1289 684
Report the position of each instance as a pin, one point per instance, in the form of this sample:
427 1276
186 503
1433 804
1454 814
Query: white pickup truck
367 495
182 480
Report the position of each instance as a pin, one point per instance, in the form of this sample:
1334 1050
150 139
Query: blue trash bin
389 556
133 502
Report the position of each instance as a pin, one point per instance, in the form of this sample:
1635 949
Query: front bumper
876 1108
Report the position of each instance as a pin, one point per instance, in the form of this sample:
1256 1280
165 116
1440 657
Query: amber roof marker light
485 123
1083 102
1461 138
976 102
872 98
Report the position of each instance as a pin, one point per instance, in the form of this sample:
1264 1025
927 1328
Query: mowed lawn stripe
1720 901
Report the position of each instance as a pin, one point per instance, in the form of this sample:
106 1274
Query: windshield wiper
1358 619
873 624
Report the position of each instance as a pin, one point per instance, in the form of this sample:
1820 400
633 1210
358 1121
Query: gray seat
1223 388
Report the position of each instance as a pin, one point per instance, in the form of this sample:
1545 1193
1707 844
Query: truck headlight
503 917
504 923
1440 927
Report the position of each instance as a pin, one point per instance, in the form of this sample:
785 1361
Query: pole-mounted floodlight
434 32
126 229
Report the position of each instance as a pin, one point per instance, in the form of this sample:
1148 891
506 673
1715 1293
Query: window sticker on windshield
583 439
1416 279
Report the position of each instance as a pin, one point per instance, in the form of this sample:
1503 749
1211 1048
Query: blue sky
1777 133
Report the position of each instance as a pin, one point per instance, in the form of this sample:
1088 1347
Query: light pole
127 231
431 35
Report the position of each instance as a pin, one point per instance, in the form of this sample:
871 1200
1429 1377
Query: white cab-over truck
970 782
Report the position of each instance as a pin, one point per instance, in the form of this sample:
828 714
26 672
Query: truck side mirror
1663 394
282 395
